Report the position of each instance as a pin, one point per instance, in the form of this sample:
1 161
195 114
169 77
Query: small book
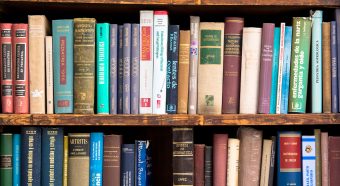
199 164
113 68
275 70
308 161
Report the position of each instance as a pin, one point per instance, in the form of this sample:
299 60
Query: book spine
6 67
280 68
333 152
275 69
272 162
49 74
113 67
149 168
120 70
172 70
65 160
127 170
52 156
233 161
112 160
135 69
193 58
16 159
102 63
337 25
220 148
96 158
20 66
140 163
300 63
308 160
146 61
199 164
6 159
317 134
62 31
266 64
316 46
208 166
30 156
84 65
265 162
232 64
127 68
335 69
324 159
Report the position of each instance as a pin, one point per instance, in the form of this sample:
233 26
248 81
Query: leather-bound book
111 164
334 160
220 149
199 164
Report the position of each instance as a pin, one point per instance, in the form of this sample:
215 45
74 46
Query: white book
233 161
280 70
160 42
251 52
49 74
265 163
308 161
146 61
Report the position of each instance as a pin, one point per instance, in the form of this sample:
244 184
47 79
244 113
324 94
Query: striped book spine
308 161
276 51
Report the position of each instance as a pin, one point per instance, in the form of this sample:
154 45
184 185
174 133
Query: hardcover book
280 68
16 147
126 68
135 67
220 159
208 170
6 157
337 23
275 69
272 162
233 161
334 161
128 165
324 159
335 69
49 74
96 158
65 161
265 162
141 162
308 161
317 134
112 160
199 164
120 70
113 68
326 68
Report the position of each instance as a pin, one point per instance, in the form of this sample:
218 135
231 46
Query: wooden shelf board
15 119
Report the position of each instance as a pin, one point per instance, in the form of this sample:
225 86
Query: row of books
44 156
153 67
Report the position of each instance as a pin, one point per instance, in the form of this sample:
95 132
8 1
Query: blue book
62 31
141 163
148 163
127 68
286 70
337 22
120 71
127 175
31 156
16 159
135 69
96 158
275 70
113 68
317 62
52 156
308 161
335 73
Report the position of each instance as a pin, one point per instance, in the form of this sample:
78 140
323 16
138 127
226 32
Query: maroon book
111 165
334 160
232 64
220 148
266 68
199 165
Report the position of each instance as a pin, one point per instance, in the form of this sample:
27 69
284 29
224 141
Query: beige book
38 28
65 161
49 74
251 50
326 68
265 163
210 68
233 159
183 72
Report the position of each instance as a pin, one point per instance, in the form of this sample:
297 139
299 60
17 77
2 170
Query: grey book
127 68
113 68
135 69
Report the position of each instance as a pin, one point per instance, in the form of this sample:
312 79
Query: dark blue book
337 20
16 159
52 156
120 71
141 163
172 70
31 156
127 68
334 71
96 158
113 68
135 69
149 163
128 165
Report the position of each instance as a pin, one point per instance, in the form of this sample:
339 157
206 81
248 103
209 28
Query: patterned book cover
16 159
275 69
127 173
6 157
127 68
120 70
113 67
335 69
135 67
96 158
140 162
280 68
49 74
308 161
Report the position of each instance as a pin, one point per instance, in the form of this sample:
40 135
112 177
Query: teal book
16 147
275 70
317 62
62 31
103 68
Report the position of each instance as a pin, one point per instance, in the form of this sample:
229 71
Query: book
6 154
79 156
128 163
193 63
233 27
141 162
65 161
62 33
113 67
84 65
49 74
209 95
266 63
299 64
149 167
324 159
38 28
333 154
16 148
199 164
272 162
337 26
126 68
96 158
183 71
335 84
112 160
233 161
120 70
102 64
308 161
160 42
250 69
135 69
318 174
316 47
275 69
208 166
172 70
220 159
280 68
265 162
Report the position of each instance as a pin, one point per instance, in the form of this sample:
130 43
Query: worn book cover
233 161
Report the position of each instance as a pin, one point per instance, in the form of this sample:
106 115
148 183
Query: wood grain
15 119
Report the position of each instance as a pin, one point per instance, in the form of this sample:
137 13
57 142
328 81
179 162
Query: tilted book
16 147
112 160
96 158
335 68
113 68
326 68
134 87
233 161
126 68
275 69
308 161
49 74
6 155
280 68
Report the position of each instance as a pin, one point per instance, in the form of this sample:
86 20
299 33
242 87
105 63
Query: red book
334 160
199 164
232 64
220 147
20 68
111 162
6 67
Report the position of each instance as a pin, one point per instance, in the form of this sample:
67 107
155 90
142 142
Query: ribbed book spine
120 70
135 68
335 69
308 161
220 148
280 68
326 68
112 160
96 158
6 159
62 31
337 23
208 166
233 161
128 165
127 68
16 159
140 163
275 69
49 74
65 161
113 67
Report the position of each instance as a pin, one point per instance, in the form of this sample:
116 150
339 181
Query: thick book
318 174
208 170
289 158
250 69
335 73
299 64
112 160
272 162
126 68
265 162
65 161
113 67
220 158
183 156
233 161
52 156
30 156
78 157
102 64
280 68
266 65
233 27
84 65
210 68
96 158
135 69
16 147
324 159
49 74
141 162
199 164
38 28
194 59
62 31
6 157
326 68
334 161
308 161
337 23
120 88
20 68
275 70
172 70
127 177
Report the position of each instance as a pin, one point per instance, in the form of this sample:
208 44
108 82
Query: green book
6 154
299 64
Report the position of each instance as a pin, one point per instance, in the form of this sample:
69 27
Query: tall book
96 158
324 159
220 152
266 64
272 162
102 64
183 156
289 158
113 67
78 157
49 74
172 70
135 68
6 155
265 162
52 156
62 31
250 69
275 69
6 67
126 68
16 147
280 68
199 164
333 159
84 65
233 161
127 177
194 58
337 23
308 161
208 166
141 162
112 158
335 73
38 28
318 174
20 68
300 63
65 161
209 95
120 70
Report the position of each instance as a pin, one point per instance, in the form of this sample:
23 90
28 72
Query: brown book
111 163
199 165
183 71
84 65
334 160
324 158
317 134
220 149
233 27
326 68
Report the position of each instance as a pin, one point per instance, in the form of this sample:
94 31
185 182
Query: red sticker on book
145 102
